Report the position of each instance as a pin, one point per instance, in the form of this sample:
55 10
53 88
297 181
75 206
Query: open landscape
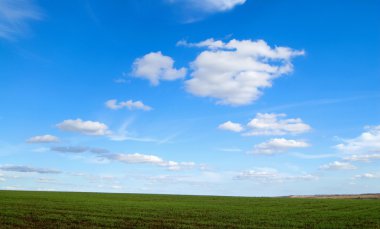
24 209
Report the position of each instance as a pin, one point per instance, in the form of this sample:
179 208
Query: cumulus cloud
84 127
337 165
270 175
43 139
278 145
156 67
130 104
231 126
27 169
367 143
15 16
269 124
234 73
137 158
275 124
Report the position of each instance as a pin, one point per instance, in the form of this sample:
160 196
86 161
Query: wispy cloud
28 169
337 165
130 104
43 139
15 16
278 145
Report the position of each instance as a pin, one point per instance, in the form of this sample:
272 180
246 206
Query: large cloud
84 127
278 145
367 142
15 15
235 72
155 67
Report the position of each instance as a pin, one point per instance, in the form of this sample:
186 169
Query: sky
213 97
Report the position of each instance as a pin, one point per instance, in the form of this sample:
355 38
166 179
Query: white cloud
78 149
84 127
235 72
278 145
272 124
269 175
15 15
210 6
137 158
156 67
231 126
363 157
367 176
130 104
367 143
337 165
43 139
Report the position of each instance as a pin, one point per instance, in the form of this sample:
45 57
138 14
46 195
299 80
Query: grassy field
94 210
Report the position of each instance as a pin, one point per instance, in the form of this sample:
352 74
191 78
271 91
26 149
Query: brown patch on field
357 196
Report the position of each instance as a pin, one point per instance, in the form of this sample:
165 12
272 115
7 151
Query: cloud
234 73
337 165
137 158
269 124
15 16
278 145
367 143
156 67
367 176
211 6
363 157
130 104
231 126
269 175
27 169
272 124
78 149
43 139
84 127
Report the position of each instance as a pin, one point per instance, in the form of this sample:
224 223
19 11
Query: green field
94 210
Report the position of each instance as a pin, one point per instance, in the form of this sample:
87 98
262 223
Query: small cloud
270 175
363 157
278 145
43 139
78 149
130 104
156 67
367 176
337 165
84 127
231 126
27 169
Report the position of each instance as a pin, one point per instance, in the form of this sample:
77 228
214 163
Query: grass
19 209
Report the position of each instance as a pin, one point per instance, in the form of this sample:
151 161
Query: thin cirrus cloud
265 124
156 67
15 15
47 138
84 127
235 72
113 104
27 169
337 165
278 145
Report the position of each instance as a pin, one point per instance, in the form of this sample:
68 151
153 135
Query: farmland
20 209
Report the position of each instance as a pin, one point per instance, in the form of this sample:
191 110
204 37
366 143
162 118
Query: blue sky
219 97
